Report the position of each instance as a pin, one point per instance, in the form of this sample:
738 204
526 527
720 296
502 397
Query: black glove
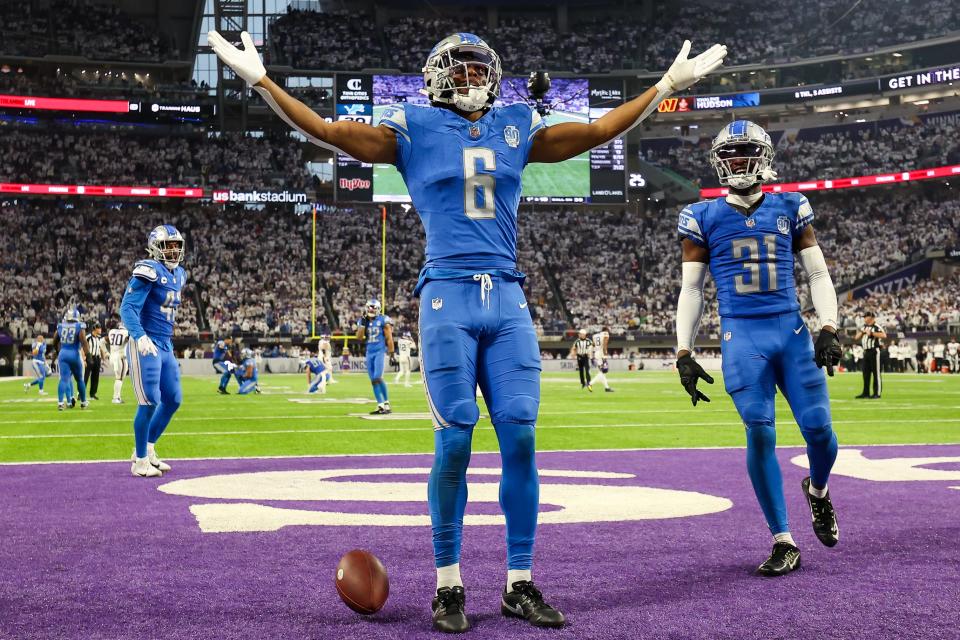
689 372
827 352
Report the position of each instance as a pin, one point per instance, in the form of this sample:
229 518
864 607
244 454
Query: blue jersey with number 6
751 257
151 300
464 180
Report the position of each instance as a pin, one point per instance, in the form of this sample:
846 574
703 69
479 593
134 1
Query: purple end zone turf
87 551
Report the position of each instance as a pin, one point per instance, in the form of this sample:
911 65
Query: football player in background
221 363
317 374
376 330
71 342
248 373
405 346
953 355
118 338
325 353
748 240
600 341
38 363
149 311
462 159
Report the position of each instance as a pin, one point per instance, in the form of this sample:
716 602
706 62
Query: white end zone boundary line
427 453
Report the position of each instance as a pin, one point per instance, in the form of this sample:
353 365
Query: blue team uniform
39 363
221 352
248 376
765 343
69 361
149 308
319 370
376 341
465 181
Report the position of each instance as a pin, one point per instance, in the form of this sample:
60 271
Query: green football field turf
570 178
648 409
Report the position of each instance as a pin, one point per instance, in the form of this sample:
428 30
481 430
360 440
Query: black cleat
862 396
94 397
448 615
223 391
526 601
783 559
608 390
824 517
873 398
73 403
380 411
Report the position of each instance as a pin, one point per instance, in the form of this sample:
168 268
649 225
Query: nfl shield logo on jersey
512 136
783 225
437 303
751 223
475 132
728 335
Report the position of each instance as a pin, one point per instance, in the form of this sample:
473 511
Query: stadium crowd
829 152
249 270
78 28
596 42
75 156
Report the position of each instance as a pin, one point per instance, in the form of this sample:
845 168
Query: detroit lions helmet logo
512 136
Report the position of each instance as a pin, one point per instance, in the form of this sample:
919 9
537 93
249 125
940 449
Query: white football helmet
741 154
373 308
448 72
165 244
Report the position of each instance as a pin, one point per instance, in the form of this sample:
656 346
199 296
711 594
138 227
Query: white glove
245 63
684 72
768 175
146 347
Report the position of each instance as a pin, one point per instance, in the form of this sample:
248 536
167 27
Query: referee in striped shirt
871 336
582 349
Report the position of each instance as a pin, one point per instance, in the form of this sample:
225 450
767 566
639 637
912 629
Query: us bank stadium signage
258 197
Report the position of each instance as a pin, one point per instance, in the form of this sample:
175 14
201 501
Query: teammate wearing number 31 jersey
149 311
749 239
462 159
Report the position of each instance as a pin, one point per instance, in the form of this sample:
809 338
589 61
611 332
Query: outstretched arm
362 141
567 140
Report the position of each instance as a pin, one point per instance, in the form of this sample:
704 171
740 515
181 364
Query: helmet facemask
741 165
466 76
165 244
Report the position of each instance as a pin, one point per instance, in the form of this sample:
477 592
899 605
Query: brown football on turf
362 582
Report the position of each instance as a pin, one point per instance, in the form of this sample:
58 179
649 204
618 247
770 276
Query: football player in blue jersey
462 160
149 310
748 240
376 331
38 364
248 374
221 363
71 340
317 374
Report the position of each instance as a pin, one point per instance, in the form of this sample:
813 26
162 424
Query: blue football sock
821 452
383 392
82 388
377 393
519 491
160 419
141 428
765 475
224 380
447 491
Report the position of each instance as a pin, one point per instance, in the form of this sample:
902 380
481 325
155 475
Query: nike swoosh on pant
797 331
523 306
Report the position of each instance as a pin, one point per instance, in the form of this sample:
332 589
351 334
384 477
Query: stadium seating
829 152
597 43
249 272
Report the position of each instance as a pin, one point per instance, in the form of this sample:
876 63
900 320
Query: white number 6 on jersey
478 199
